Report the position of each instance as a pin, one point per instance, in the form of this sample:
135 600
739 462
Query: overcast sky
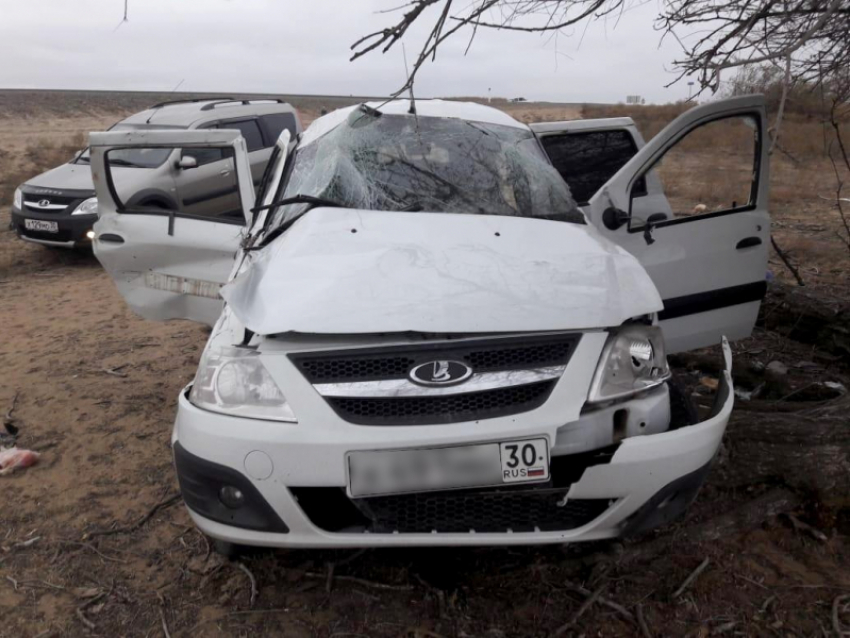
302 46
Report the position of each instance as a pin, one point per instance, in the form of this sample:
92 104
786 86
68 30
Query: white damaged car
421 338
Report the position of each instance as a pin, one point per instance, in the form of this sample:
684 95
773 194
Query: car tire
683 412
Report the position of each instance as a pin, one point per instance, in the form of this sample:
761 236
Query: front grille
492 510
483 512
427 410
485 355
54 200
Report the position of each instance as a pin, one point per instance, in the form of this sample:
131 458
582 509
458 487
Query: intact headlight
18 201
632 361
234 381
88 207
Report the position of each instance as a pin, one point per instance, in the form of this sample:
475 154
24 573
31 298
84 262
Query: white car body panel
698 256
160 273
437 273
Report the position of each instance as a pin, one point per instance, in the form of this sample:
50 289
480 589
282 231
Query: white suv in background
59 207
426 341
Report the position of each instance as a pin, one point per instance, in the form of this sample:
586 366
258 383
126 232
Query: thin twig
79 611
362 581
88 623
690 579
644 628
836 618
164 624
115 372
92 548
625 613
787 262
171 500
8 419
253 582
579 612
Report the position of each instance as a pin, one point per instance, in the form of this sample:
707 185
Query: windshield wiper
299 199
87 160
295 199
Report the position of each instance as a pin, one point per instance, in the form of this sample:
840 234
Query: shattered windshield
434 164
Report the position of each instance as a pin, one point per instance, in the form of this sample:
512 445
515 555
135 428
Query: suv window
204 156
250 130
587 160
277 122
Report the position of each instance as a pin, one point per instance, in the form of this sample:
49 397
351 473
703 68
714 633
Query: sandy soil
96 391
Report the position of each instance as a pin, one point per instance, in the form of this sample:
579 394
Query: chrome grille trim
37 206
405 388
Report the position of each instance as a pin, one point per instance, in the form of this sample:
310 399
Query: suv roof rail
225 98
210 107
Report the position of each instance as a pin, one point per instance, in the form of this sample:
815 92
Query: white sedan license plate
45 227
421 470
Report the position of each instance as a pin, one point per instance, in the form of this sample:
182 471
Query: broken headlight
633 360
234 381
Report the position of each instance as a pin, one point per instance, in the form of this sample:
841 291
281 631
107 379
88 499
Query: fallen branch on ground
644 628
253 580
579 612
9 420
79 611
171 500
164 624
625 613
362 581
690 579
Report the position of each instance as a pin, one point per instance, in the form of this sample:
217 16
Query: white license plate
45 227
421 470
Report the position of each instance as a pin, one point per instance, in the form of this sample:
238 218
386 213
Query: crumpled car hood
338 271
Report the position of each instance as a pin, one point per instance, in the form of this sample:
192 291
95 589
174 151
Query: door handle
748 242
111 238
224 173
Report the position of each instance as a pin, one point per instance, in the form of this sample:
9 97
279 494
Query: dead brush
43 157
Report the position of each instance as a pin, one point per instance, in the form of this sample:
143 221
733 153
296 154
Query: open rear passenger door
166 262
705 246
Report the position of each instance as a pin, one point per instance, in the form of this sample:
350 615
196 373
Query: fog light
90 234
231 496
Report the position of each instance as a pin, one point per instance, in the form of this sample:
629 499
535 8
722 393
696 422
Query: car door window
277 122
250 130
586 160
713 169
208 190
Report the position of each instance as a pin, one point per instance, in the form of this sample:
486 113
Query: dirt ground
93 540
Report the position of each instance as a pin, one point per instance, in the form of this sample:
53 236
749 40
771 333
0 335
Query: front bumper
614 492
71 231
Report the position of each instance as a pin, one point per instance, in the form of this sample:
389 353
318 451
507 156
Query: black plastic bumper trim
668 504
200 482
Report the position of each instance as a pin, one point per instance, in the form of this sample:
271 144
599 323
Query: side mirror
614 218
187 161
